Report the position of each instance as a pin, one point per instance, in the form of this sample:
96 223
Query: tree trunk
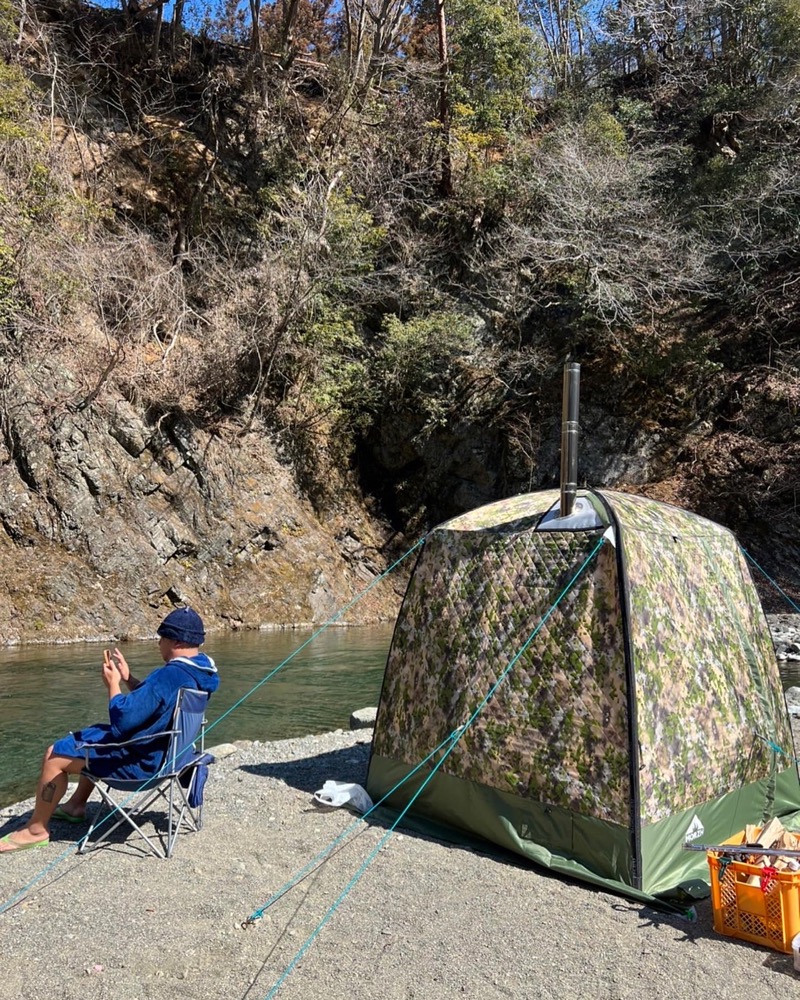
386 25
177 27
155 52
355 38
288 50
446 180
255 33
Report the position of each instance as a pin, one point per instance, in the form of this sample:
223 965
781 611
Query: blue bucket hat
183 625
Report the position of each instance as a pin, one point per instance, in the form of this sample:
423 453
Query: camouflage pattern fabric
706 675
557 729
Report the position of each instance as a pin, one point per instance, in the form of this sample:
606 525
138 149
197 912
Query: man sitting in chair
147 708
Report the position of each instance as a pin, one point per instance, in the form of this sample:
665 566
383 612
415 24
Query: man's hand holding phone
121 664
111 674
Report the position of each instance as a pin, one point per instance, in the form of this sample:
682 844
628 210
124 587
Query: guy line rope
168 763
452 740
448 744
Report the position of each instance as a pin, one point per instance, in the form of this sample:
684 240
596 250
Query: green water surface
46 691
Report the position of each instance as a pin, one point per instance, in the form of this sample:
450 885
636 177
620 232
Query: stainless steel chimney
569 437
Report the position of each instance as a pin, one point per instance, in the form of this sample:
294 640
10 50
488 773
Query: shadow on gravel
350 764
703 928
60 831
122 840
311 773
775 961
780 963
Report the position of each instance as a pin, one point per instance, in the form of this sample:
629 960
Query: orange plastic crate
770 918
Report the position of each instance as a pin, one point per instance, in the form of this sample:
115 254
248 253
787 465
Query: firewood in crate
771 832
768 837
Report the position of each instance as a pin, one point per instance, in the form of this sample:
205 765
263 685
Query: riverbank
426 920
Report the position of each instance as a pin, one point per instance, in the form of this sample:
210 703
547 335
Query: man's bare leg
76 803
51 787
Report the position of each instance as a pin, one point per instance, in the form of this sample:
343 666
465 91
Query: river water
46 691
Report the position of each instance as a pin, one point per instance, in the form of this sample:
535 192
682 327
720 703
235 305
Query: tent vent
583 515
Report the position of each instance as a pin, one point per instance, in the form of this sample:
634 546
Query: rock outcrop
110 519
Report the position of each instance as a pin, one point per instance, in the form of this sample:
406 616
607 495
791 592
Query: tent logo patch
696 829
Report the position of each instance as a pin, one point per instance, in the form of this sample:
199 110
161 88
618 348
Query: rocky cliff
109 520
249 352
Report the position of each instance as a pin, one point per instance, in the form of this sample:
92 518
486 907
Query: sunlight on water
46 691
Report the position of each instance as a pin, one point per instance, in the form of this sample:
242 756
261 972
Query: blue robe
146 709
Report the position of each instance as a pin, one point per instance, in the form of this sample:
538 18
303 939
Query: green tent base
612 683
506 827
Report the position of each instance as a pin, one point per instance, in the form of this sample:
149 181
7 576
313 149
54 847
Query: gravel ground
427 920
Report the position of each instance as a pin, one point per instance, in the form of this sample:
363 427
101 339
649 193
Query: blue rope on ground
76 846
78 843
370 858
361 820
769 578
81 840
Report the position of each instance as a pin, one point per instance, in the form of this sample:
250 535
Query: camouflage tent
647 708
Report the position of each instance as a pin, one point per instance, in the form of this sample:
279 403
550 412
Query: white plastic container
796 951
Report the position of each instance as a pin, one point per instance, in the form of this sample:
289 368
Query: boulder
364 718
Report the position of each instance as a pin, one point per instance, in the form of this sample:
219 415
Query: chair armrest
127 743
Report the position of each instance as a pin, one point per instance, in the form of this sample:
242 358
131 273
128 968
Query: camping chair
179 782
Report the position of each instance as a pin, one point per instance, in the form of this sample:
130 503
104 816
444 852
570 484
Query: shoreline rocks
785 630
363 718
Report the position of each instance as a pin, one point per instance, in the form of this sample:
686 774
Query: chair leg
179 813
170 835
108 807
125 816
178 803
